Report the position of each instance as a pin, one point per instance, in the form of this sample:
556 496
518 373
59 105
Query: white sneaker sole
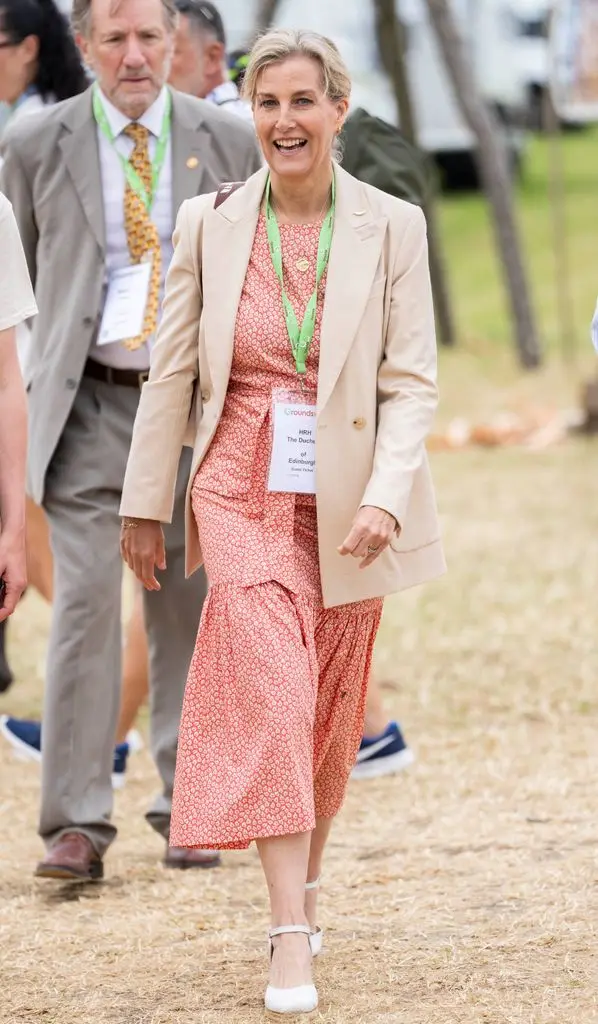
26 753
391 765
118 780
22 750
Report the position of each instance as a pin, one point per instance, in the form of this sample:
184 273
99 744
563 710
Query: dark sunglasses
196 6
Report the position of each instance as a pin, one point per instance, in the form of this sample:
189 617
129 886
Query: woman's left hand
370 535
142 548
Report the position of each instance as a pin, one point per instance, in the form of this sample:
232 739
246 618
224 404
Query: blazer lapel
195 165
81 154
228 235
354 258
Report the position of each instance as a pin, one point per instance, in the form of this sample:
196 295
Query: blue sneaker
386 754
25 738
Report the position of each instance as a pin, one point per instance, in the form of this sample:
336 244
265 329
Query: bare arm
13 454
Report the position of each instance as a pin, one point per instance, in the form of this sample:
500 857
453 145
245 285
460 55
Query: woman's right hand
142 548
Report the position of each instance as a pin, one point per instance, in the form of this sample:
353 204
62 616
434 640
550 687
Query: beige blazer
376 382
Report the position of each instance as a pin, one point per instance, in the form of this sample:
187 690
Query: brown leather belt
108 375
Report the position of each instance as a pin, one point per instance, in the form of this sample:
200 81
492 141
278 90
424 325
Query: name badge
126 302
293 459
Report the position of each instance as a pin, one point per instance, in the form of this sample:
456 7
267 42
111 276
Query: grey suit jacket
51 175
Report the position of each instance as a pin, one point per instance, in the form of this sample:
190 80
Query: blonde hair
280 44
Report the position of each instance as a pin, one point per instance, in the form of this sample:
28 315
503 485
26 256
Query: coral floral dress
274 706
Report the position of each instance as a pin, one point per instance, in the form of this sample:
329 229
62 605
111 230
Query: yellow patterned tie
142 234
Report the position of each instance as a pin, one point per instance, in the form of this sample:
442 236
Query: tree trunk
495 173
392 47
265 15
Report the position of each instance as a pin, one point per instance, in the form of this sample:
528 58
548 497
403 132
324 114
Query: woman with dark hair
39 61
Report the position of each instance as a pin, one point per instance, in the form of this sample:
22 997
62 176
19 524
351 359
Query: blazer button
88 321
205 396
71 384
359 423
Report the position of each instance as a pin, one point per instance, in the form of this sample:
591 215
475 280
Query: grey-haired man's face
197 60
129 47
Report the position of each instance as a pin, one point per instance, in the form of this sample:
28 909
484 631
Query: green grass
486 349
474 269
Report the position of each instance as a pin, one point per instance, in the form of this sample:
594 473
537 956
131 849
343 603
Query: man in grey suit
95 183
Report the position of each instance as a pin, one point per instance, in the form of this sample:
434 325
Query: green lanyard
300 338
133 179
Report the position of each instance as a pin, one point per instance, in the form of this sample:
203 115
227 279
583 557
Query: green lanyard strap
133 179
300 338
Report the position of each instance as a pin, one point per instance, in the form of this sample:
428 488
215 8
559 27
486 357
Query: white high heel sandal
317 936
301 998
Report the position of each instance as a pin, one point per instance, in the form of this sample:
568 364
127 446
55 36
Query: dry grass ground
464 892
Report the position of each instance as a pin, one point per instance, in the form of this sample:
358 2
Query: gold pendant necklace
304 263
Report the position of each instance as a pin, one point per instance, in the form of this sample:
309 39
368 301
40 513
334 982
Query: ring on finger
371 550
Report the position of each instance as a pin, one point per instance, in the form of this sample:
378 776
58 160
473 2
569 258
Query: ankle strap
313 885
290 929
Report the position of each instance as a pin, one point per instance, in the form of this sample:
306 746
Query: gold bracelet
129 524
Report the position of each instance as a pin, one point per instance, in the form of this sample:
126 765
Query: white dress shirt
113 191
227 97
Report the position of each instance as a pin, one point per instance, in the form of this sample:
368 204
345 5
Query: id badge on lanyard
293 458
126 303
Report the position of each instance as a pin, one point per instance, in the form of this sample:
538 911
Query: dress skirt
275 700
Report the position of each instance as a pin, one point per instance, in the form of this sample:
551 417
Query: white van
489 36
531 23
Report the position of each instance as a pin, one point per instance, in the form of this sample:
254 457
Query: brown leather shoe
182 858
71 857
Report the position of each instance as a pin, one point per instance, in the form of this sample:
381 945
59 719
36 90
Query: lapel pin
192 163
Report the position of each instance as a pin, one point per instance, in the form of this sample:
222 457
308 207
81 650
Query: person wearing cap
199 65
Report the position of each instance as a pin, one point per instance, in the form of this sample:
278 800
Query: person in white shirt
17 304
39 65
199 62
111 169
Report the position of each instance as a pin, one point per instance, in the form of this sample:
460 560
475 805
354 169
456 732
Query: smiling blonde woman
298 312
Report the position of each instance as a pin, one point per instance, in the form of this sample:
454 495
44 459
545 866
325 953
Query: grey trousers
83 683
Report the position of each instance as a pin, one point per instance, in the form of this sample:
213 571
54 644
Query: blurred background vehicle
530 26
491 36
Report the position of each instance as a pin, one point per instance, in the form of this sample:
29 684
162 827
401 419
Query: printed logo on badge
293 457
